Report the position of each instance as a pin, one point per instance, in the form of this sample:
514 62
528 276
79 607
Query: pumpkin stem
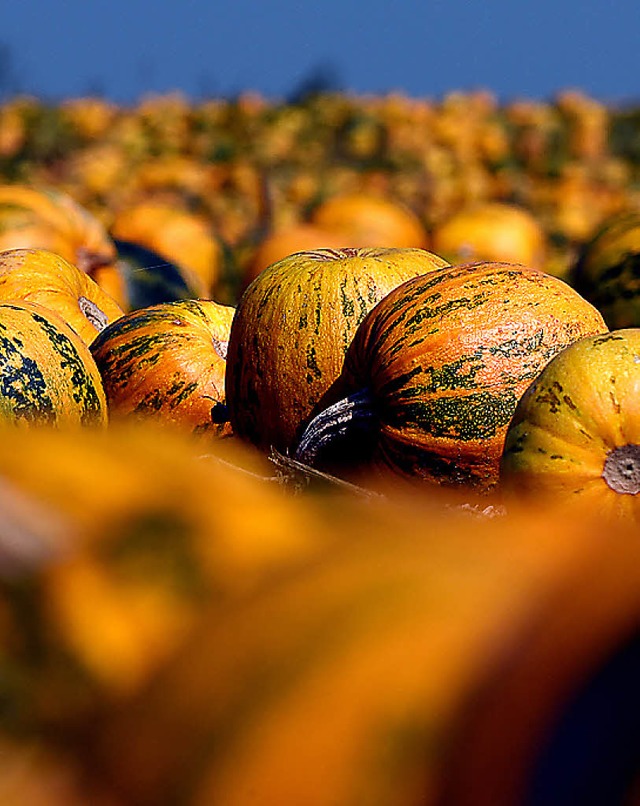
622 469
352 413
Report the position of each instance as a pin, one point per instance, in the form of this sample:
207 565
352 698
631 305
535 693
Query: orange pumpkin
42 218
575 434
491 231
363 219
185 238
37 275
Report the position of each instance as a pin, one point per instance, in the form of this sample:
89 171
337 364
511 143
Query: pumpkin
179 235
491 231
438 366
367 219
168 361
47 374
575 433
413 657
43 277
44 218
150 278
104 572
292 327
607 269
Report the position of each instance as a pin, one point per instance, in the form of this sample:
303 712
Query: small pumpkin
367 219
46 218
168 361
47 374
607 270
491 231
41 276
438 366
292 328
181 236
575 433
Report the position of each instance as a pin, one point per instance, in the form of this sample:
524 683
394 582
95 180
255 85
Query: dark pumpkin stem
622 469
354 412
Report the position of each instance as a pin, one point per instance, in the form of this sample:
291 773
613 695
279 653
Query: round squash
438 366
491 231
575 434
365 219
43 277
168 361
292 328
608 268
47 374
44 218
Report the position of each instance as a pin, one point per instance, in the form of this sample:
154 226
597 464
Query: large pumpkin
292 328
44 218
47 374
491 231
168 361
608 268
575 434
439 364
419 661
41 276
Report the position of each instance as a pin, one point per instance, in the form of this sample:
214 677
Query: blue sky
124 49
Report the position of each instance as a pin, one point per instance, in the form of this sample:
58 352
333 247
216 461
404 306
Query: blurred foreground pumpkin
423 659
575 434
49 219
491 231
104 573
41 276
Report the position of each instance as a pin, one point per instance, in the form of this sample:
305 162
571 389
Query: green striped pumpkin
47 373
438 367
293 325
607 272
168 362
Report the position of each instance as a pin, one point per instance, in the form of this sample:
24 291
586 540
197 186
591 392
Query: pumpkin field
319 452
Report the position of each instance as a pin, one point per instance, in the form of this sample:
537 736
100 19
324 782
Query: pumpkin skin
575 433
363 219
43 277
45 218
491 231
443 360
48 376
606 272
168 361
292 328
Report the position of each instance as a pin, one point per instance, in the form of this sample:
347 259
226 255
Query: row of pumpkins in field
386 362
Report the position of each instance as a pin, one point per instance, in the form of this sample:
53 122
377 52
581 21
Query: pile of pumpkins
176 626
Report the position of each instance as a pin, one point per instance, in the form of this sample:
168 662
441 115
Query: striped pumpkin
47 374
292 328
608 268
575 434
168 361
440 363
